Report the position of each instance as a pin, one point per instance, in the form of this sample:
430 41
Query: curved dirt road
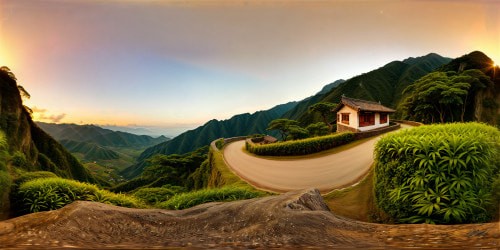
324 173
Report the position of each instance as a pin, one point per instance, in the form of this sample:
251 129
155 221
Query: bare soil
296 219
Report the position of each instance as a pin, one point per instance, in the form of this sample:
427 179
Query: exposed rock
263 222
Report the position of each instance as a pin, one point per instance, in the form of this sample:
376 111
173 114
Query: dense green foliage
318 129
238 125
52 193
324 109
444 96
5 179
301 147
33 149
171 169
438 173
158 194
228 193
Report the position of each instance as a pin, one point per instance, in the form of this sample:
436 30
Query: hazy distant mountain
99 136
93 143
238 125
384 84
327 88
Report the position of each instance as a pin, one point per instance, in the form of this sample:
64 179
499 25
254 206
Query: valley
68 168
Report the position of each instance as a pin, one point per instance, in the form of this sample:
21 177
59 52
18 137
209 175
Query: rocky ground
293 220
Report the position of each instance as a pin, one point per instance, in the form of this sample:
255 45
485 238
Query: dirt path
324 173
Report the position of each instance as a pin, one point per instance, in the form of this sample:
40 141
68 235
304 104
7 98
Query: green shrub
219 143
154 195
28 176
191 199
53 193
438 173
19 160
301 147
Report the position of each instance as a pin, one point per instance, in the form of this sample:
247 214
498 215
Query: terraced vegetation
439 174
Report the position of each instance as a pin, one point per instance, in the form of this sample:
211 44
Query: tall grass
52 193
301 147
228 193
438 173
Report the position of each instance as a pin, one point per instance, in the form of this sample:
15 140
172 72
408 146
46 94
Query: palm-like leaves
437 174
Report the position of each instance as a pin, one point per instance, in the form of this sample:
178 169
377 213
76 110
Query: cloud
40 114
38 110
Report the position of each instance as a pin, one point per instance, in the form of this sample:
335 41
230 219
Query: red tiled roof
362 105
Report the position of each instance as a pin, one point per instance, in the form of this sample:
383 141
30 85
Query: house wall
377 123
353 118
354 121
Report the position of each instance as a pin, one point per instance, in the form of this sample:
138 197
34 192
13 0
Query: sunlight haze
162 63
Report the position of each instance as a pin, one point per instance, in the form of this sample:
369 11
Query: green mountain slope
384 84
238 125
483 100
41 151
99 136
91 151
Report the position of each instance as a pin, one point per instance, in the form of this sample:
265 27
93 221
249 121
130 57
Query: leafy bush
53 193
191 199
155 195
301 147
438 174
28 176
19 160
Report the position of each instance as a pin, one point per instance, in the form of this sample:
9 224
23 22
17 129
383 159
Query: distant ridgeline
33 148
242 124
96 143
385 84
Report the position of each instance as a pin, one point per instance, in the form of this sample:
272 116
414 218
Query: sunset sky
180 64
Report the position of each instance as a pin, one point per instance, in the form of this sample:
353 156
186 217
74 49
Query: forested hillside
466 89
99 136
34 149
238 125
384 84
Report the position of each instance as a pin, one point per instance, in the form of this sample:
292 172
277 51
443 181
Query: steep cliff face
23 135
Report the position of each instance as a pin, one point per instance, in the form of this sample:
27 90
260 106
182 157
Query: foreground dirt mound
295 219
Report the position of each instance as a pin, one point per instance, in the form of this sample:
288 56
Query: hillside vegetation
385 84
439 173
35 148
243 124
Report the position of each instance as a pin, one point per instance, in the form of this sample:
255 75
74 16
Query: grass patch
228 193
155 195
52 193
356 202
222 175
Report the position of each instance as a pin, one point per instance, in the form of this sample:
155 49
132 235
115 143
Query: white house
360 115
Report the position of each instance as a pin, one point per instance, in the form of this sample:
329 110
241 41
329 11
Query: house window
345 118
366 119
383 118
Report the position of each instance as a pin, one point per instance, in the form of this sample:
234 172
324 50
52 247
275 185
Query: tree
296 132
283 126
318 129
324 109
443 96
